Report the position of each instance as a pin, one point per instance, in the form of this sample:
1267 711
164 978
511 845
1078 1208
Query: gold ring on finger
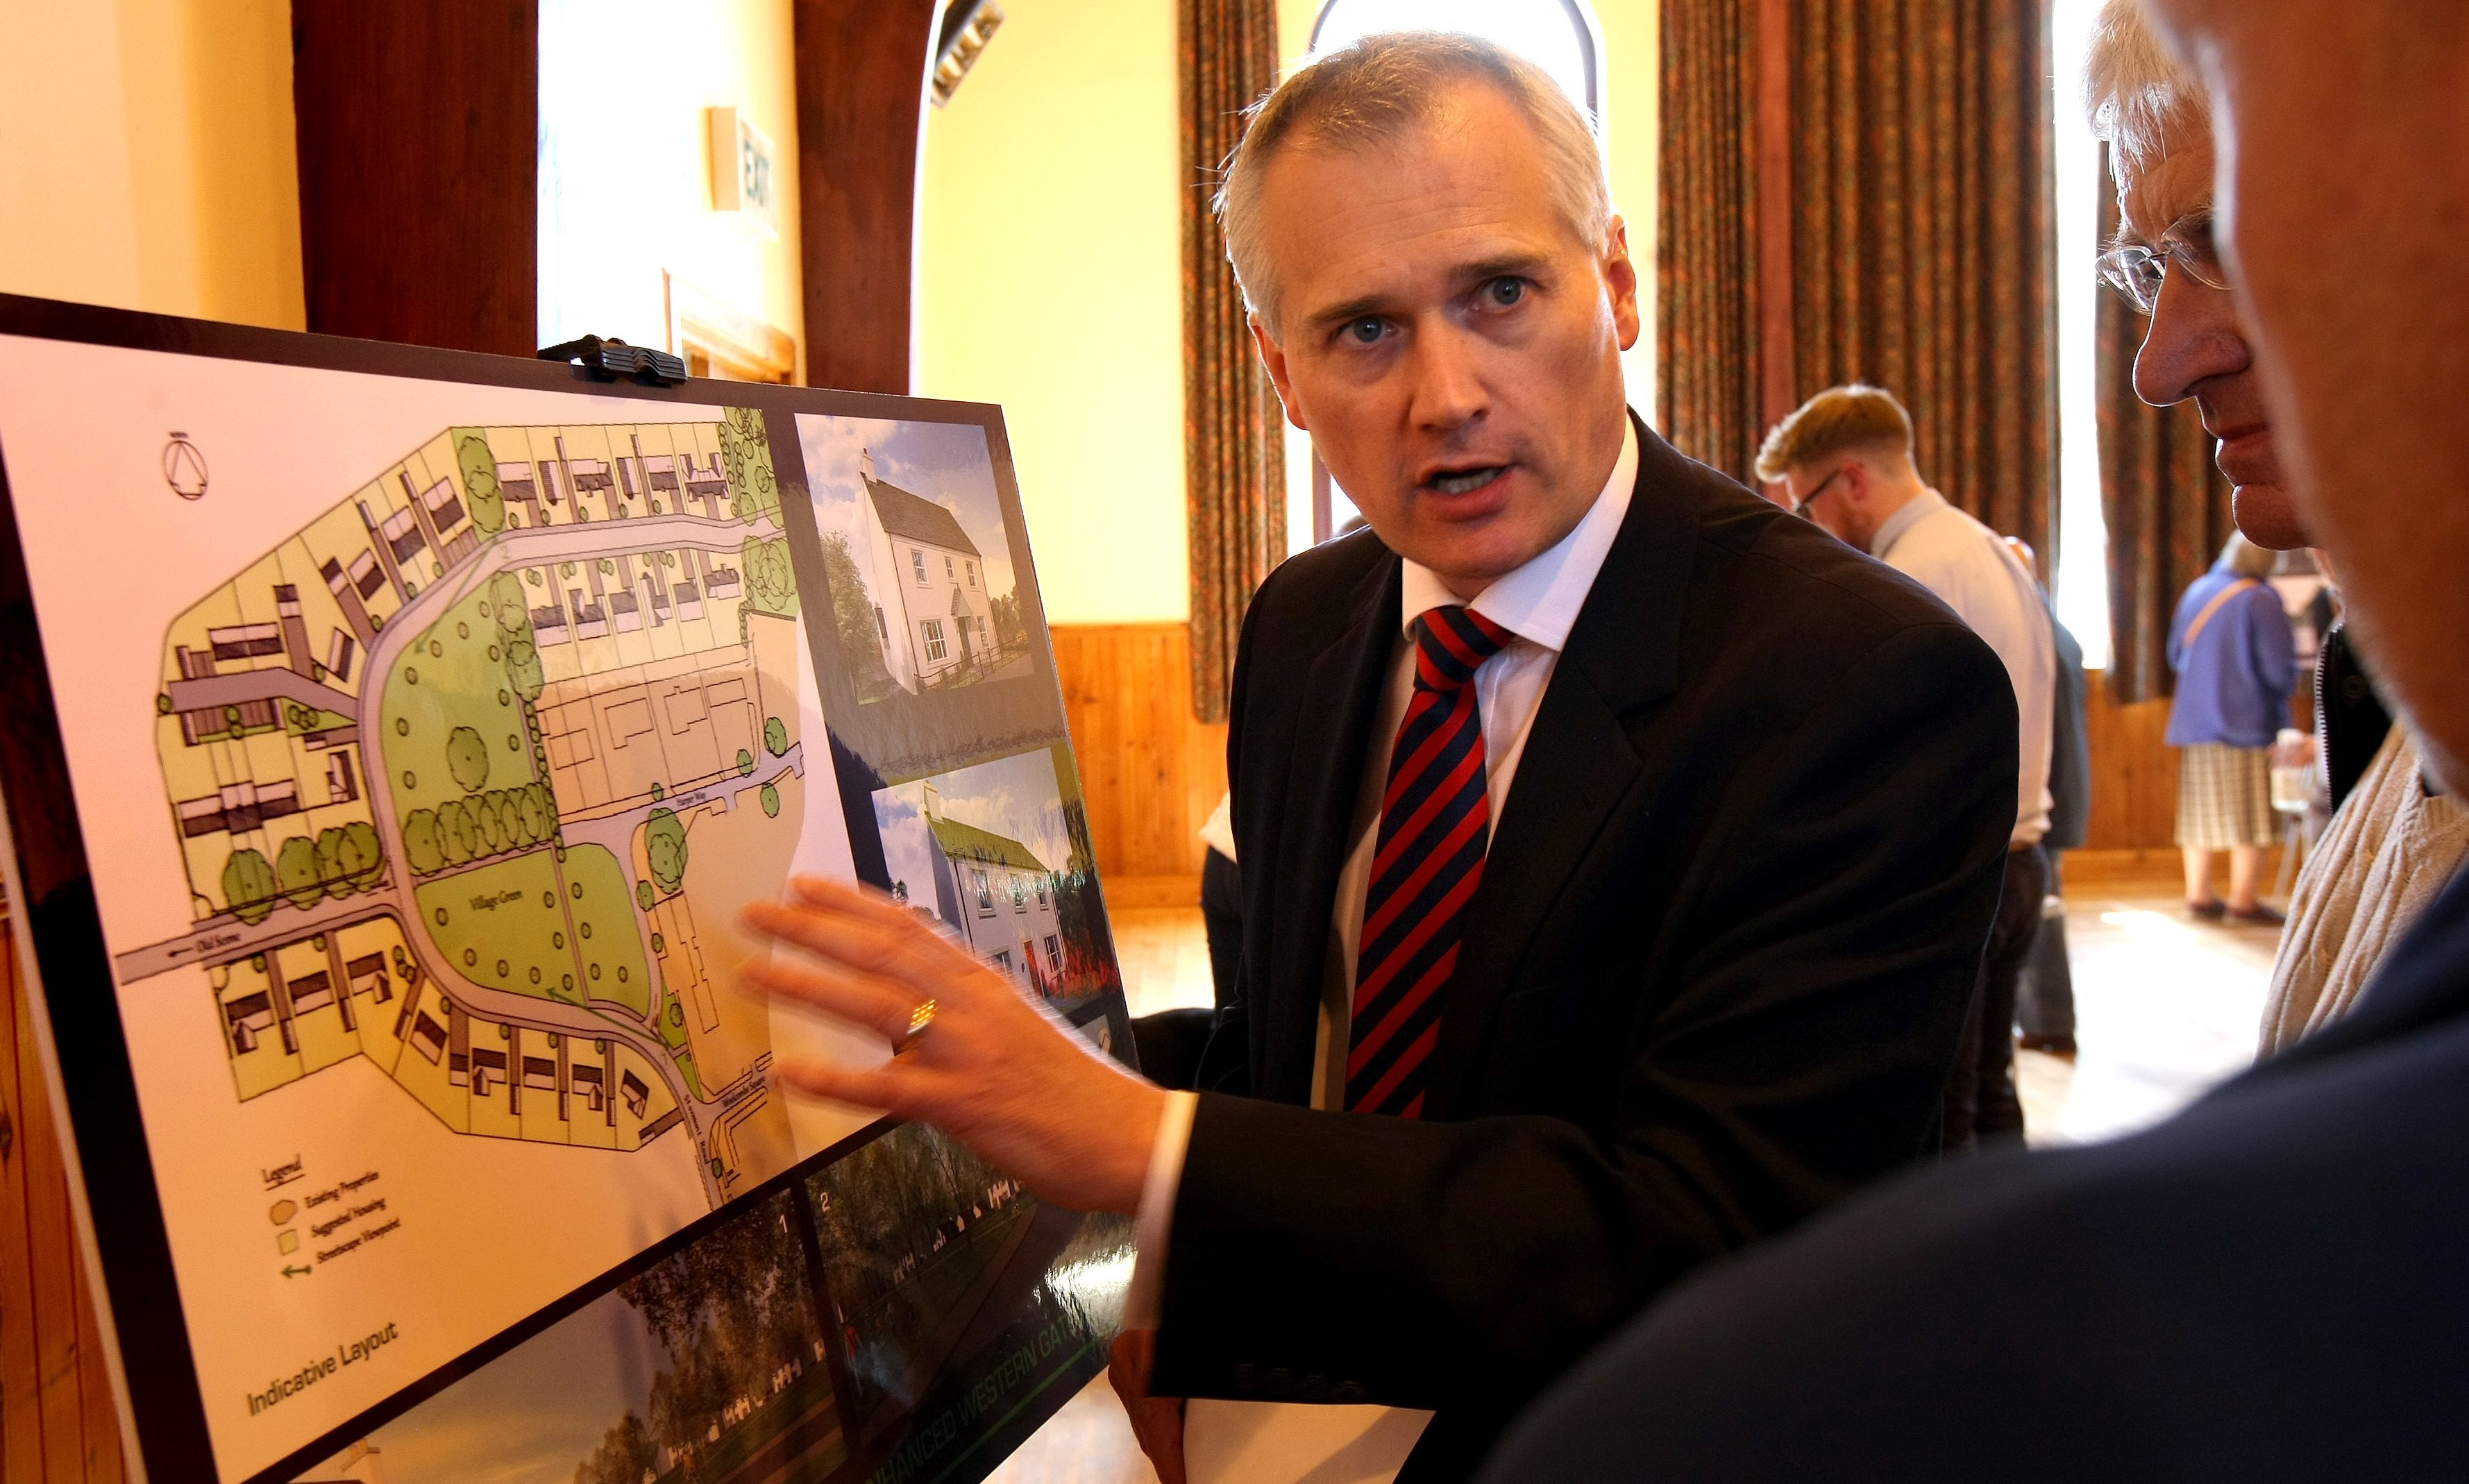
920 1021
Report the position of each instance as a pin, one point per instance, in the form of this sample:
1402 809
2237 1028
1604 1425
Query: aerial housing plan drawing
399 737
465 772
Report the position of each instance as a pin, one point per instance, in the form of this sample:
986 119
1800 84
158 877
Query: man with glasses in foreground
1845 461
2270 1285
2391 845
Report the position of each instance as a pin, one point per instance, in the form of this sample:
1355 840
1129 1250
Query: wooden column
862 69
419 131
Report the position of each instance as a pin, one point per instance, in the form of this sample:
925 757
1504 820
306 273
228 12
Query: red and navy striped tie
1435 825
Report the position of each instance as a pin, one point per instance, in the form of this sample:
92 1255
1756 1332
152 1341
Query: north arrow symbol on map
294 1273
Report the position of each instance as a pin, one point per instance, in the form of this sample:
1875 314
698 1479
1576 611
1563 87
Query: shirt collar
1539 601
1919 507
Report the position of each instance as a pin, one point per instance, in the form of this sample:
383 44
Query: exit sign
744 176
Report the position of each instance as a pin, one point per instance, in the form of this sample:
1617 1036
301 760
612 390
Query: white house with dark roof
997 893
931 613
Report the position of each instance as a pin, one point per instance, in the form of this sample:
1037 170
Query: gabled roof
967 842
917 517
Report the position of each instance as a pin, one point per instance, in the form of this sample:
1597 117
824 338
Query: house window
935 648
917 561
1019 895
1041 891
1053 955
973 573
948 575
1002 960
880 627
985 892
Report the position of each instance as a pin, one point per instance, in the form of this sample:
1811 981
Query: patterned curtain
1234 442
1706 260
1922 223
2166 503
1925 235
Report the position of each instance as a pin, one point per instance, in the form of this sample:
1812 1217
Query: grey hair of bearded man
1371 93
2133 90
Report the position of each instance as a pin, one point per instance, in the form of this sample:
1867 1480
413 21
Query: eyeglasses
2138 272
1800 506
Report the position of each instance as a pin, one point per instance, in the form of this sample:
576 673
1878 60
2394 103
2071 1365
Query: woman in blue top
2236 661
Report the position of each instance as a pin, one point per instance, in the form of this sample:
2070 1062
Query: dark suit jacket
1710 981
2273 1286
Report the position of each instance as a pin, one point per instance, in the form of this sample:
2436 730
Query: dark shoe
2256 915
2209 912
2062 1047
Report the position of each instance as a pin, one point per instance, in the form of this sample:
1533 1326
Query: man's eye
1505 291
1363 331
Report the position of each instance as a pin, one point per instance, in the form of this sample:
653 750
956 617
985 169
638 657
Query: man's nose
1449 389
2194 336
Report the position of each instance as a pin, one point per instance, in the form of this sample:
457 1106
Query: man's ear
1620 276
1855 482
1275 358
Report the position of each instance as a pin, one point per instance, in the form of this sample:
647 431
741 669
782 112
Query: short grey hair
1373 92
2133 89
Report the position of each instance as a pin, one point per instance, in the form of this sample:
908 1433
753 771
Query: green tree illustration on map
248 887
746 463
295 872
775 736
664 847
466 757
423 850
771 584
487 500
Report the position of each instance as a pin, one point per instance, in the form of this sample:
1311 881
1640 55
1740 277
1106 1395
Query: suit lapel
1623 656
1341 697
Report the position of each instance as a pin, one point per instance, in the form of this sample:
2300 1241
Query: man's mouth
1466 481
2244 454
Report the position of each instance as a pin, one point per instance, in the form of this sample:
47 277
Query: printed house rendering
932 614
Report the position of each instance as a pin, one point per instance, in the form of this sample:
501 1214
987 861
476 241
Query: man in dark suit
1617 849
2270 1285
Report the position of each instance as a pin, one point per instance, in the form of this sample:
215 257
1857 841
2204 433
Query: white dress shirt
1538 604
1976 573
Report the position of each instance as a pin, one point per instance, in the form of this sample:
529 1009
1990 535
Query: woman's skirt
2223 797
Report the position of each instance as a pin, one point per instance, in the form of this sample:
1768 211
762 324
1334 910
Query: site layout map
475 714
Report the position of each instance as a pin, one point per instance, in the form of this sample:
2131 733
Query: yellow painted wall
147 157
1049 277
626 194
1049 281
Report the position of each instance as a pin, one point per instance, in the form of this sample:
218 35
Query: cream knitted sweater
2390 849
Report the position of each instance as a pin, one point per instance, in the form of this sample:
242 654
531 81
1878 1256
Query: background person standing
1845 461
2236 658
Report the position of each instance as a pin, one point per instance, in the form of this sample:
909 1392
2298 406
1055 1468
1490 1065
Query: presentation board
392 738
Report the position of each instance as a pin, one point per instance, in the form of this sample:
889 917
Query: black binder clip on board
616 361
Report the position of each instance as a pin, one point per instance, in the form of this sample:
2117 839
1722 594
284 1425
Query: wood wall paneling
2133 778
419 136
861 102
57 1420
1150 773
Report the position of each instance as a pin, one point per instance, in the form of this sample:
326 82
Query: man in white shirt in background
1845 461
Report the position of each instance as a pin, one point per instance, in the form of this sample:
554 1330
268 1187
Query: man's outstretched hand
998 1069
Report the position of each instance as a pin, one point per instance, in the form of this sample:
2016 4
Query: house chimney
865 464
